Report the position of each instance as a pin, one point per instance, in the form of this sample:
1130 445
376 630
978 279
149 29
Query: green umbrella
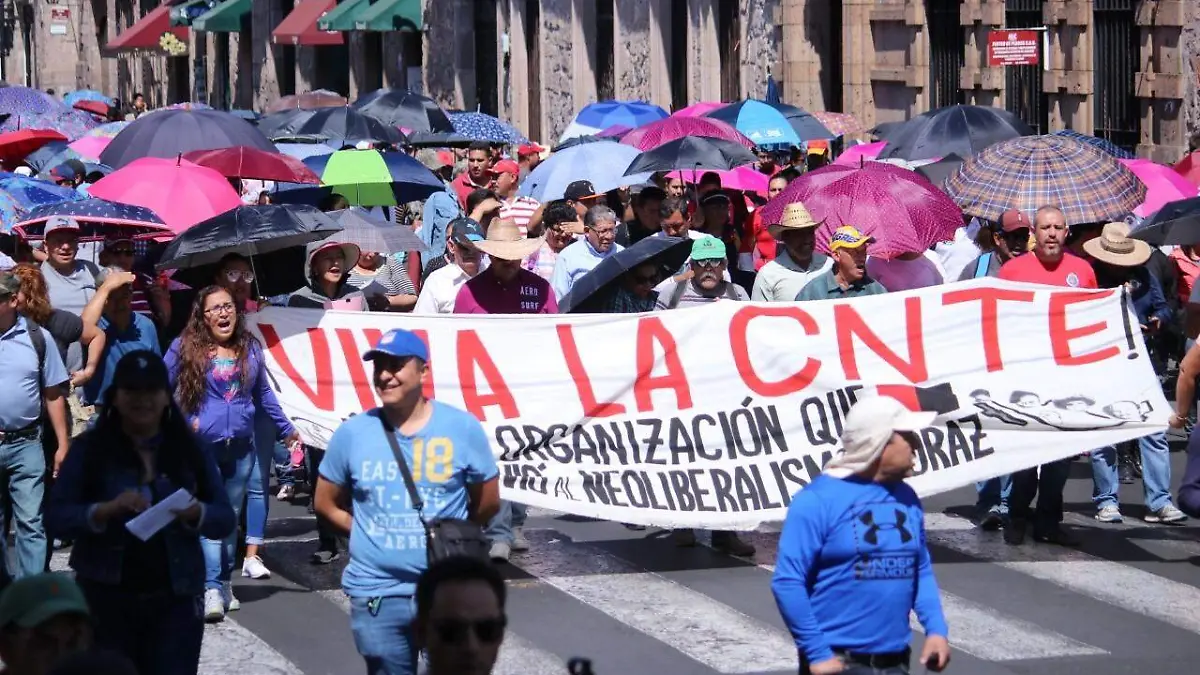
374 178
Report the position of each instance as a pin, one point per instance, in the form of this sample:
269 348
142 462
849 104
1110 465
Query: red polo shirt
463 186
1071 271
528 293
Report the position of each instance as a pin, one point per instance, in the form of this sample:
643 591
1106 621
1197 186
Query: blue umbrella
73 124
91 211
170 133
304 150
1102 144
632 114
26 101
73 97
49 156
29 193
604 164
479 126
772 124
10 213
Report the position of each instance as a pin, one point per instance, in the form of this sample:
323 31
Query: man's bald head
1049 212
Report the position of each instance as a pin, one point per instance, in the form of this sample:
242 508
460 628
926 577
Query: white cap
868 428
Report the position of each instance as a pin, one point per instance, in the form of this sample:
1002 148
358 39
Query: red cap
506 166
531 149
445 157
1013 219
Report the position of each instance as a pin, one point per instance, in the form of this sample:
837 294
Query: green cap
31 601
9 284
708 248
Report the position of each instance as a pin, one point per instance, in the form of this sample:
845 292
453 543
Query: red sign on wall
1014 47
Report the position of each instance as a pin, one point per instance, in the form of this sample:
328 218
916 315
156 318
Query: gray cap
60 224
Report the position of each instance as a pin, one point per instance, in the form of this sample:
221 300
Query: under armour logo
872 534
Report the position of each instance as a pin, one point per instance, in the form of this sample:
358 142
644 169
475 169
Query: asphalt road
1127 601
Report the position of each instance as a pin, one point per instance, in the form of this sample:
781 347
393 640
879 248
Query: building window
678 60
533 56
487 97
285 55
606 67
729 37
945 52
411 60
1023 95
1116 48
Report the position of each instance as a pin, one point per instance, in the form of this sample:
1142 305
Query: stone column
1163 80
631 32
1070 82
264 83
557 67
448 53
760 45
806 47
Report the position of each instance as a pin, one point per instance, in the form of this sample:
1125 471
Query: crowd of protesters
92 398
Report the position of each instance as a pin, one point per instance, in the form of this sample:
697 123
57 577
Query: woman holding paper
220 381
140 459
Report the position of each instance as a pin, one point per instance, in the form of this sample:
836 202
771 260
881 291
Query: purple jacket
219 420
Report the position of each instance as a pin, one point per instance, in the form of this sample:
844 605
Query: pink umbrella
698 109
615 131
856 155
744 178
900 208
90 147
180 192
1163 184
666 130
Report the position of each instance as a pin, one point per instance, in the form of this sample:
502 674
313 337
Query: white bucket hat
868 428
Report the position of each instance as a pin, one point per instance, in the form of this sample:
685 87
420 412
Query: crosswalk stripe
1122 586
708 631
518 656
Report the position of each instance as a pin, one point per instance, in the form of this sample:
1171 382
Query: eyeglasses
711 263
232 276
607 232
455 632
226 308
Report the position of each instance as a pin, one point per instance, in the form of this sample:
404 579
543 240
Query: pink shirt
526 294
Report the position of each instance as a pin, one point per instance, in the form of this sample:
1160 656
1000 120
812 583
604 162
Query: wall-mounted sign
60 19
1014 47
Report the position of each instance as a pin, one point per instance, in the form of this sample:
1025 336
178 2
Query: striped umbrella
1101 143
839 123
70 123
1030 172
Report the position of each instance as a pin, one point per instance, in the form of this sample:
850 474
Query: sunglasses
711 263
489 631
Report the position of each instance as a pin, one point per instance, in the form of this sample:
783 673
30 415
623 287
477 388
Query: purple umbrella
666 130
74 124
900 208
26 101
616 131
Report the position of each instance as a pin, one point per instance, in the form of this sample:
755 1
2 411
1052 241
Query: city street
1128 601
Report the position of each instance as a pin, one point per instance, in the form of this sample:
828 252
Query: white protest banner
713 417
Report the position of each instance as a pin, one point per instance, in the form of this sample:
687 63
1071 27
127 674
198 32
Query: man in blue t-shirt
852 562
361 491
124 330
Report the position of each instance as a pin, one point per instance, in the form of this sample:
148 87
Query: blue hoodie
223 418
852 564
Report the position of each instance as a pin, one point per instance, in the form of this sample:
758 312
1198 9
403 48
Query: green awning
389 15
185 13
342 17
231 16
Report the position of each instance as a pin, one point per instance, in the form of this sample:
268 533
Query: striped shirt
541 262
520 210
392 276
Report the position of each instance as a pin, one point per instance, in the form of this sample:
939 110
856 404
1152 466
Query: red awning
300 27
147 31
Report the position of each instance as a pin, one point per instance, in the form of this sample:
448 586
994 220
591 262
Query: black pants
160 632
330 538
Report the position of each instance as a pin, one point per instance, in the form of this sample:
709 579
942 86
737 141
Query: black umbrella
962 130
170 133
591 290
438 139
1176 223
695 153
372 234
939 171
342 126
403 108
271 234
284 122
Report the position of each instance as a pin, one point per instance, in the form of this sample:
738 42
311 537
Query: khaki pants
81 415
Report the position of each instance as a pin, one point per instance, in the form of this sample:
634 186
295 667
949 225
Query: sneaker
684 538
214 605
254 568
286 492
1014 532
728 542
499 552
231 603
991 521
1109 514
519 543
324 557
1055 535
1167 514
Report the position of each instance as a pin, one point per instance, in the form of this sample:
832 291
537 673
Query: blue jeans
993 495
260 479
1046 483
159 632
23 474
1156 473
510 515
235 461
383 634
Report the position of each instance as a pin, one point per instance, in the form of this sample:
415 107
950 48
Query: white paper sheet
158 516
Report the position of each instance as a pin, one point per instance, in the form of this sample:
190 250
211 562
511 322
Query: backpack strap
983 264
677 294
39 345
730 291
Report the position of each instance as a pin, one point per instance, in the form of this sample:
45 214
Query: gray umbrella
373 234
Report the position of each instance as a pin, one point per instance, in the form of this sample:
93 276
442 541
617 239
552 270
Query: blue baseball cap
398 343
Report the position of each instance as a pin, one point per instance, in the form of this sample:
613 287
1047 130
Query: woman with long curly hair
220 382
33 302
142 593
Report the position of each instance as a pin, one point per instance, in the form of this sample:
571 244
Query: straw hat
795 217
1115 247
504 241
